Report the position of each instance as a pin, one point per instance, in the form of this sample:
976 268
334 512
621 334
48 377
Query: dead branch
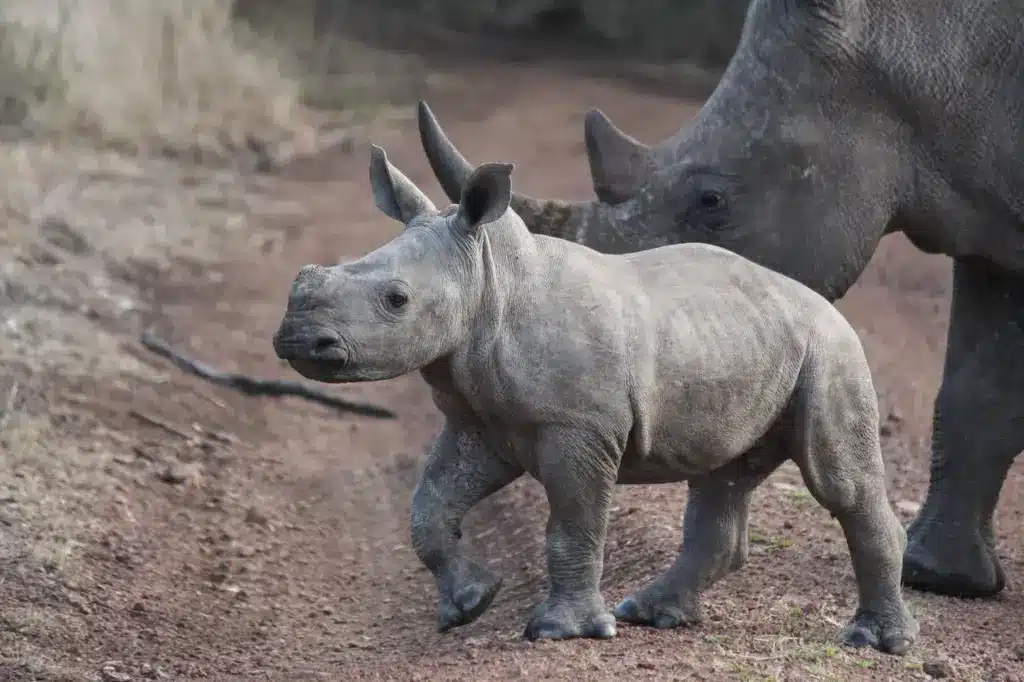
259 387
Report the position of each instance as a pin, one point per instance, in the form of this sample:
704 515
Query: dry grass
171 73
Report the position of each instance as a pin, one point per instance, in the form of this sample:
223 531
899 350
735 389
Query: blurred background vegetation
704 31
227 74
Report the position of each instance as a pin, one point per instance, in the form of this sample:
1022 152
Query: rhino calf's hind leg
460 472
978 430
840 458
714 543
578 473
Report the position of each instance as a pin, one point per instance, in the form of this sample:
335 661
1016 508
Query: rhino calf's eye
396 300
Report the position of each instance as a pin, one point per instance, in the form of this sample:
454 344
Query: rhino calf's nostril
325 341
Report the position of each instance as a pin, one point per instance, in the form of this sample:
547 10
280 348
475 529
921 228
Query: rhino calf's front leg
578 474
460 472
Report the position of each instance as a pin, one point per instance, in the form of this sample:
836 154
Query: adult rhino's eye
711 200
396 300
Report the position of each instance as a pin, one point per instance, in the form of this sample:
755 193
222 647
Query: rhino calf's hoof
566 622
468 602
662 614
887 634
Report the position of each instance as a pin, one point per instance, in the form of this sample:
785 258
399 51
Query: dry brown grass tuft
163 73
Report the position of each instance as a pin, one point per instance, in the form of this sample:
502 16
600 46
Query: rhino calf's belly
652 470
680 463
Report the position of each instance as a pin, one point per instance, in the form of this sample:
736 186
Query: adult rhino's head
794 161
407 303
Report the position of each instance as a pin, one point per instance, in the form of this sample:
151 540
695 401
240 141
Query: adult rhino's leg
714 542
460 472
978 429
578 471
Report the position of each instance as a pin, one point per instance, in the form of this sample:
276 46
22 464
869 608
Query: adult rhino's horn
619 164
452 169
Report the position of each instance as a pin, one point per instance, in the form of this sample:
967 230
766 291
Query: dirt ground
153 526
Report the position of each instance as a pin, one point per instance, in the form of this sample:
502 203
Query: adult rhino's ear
393 193
486 195
619 165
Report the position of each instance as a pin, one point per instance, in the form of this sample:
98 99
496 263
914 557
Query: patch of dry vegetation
798 642
168 73
211 78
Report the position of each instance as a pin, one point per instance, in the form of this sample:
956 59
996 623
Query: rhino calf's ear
486 194
393 193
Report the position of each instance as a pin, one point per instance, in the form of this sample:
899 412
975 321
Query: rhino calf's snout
291 342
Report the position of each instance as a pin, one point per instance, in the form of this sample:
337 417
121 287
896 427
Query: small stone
124 557
111 673
177 473
79 603
60 234
150 672
221 573
256 517
646 665
938 669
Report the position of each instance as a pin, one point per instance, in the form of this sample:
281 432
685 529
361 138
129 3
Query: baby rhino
681 363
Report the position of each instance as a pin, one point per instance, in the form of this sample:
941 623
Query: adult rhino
835 123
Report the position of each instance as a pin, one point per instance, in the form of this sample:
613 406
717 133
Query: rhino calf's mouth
325 370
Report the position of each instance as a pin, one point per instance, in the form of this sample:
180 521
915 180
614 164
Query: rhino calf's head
405 304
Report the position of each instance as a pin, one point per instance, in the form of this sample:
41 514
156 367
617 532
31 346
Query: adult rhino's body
835 123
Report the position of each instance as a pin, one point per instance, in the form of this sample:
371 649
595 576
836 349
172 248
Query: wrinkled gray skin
585 370
837 122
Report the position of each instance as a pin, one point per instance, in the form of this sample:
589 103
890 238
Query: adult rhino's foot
890 634
465 599
659 609
953 566
568 620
